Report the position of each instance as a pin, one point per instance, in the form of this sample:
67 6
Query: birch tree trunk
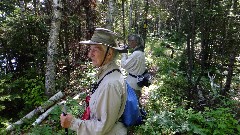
42 108
50 75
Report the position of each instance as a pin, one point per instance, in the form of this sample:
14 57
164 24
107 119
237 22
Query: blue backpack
132 115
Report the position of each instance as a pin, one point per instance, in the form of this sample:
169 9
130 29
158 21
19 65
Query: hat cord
105 56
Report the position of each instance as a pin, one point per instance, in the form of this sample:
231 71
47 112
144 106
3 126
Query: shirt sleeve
108 106
132 62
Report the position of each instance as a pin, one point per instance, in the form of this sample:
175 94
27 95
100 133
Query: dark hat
102 36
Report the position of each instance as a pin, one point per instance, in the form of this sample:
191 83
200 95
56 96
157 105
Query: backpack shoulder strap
95 86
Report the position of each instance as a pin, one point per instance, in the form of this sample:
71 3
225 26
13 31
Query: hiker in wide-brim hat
108 94
108 40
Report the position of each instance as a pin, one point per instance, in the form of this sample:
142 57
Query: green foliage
171 83
75 108
52 126
166 122
10 99
214 121
24 40
5 91
82 77
31 90
87 76
218 121
156 47
167 103
34 92
43 130
24 36
3 122
19 96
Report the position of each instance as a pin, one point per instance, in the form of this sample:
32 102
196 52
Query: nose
90 54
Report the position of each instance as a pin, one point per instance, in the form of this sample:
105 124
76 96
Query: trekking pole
64 111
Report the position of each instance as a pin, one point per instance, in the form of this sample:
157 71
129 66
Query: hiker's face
132 42
96 54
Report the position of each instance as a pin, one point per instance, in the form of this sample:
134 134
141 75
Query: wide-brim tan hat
102 36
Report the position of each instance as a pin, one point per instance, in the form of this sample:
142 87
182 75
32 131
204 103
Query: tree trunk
22 8
232 42
123 21
89 18
110 19
36 7
50 75
229 75
130 16
48 111
42 108
190 49
45 114
145 22
205 34
137 17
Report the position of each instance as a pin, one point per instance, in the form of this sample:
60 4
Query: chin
95 65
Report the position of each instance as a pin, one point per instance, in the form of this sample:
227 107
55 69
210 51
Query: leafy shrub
34 92
5 90
9 98
20 95
52 126
43 130
165 122
209 122
218 121
82 77
172 86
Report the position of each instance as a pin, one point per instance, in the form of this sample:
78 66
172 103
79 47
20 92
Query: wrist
71 123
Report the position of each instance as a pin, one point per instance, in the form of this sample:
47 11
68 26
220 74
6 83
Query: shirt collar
105 68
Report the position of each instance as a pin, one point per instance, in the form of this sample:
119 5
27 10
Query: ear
110 53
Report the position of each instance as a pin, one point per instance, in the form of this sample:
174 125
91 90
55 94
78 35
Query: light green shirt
134 64
107 104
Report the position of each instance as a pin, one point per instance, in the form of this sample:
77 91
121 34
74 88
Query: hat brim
89 42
